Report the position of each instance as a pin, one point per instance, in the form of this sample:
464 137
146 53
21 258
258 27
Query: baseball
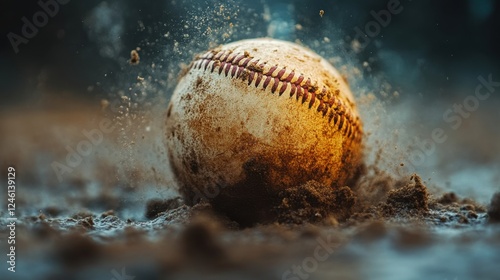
254 117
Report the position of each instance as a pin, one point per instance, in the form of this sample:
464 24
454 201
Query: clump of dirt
313 202
87 223
448 198
157 206
451 210
412 199
384 199
494 209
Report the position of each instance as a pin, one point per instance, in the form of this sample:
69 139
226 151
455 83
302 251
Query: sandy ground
116 213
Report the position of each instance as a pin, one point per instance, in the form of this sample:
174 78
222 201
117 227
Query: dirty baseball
254 117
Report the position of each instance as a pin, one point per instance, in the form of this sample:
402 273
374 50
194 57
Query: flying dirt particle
298 26
494 209
134 57
321 13
104 104
140 79
356 46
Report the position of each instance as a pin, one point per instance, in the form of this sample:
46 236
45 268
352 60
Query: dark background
450 42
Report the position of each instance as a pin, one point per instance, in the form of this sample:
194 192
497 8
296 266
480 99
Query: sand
384 227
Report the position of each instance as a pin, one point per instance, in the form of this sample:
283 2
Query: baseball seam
245 67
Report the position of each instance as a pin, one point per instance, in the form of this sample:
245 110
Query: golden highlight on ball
254 117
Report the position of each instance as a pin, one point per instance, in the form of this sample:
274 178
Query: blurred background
417 64
432 48
82 123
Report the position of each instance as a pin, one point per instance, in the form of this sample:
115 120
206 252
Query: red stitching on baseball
259 78
281 73
283 88
245 63
250 77
230 58
240 57
271 71
275 85
267 81
238 64
218 55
